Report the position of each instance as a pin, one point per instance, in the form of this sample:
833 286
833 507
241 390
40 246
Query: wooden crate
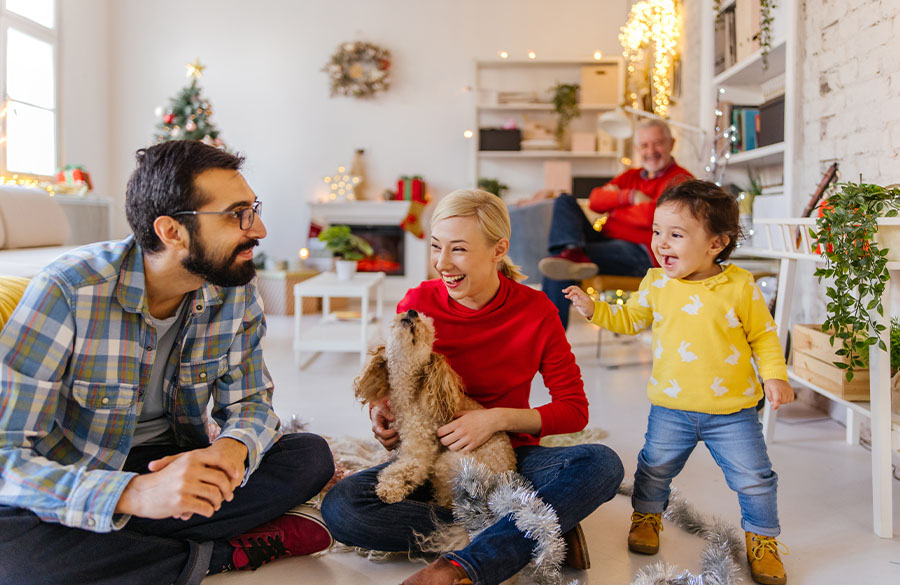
813 360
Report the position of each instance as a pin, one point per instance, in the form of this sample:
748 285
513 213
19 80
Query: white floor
824 496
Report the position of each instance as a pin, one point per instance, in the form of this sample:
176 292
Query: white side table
331 333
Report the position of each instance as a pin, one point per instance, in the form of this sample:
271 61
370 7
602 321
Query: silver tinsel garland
719 562
481 497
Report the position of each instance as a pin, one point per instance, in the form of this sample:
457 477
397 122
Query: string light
468 134
342 184
656 24
503 54
598 54
532 55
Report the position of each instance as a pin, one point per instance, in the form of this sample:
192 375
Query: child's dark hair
716 208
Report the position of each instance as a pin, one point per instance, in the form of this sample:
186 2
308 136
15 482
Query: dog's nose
412 314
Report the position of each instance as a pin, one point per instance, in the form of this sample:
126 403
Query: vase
345 269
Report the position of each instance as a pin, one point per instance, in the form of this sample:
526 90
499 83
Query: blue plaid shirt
75 358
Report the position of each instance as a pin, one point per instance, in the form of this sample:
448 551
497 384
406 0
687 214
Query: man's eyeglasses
245 216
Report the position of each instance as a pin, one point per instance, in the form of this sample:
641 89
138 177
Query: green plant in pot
347 247
565 103
492 186
855 266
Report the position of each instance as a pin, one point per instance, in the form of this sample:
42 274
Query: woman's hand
470 429
778 392
582 301
383 424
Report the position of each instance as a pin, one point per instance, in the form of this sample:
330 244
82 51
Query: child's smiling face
683 245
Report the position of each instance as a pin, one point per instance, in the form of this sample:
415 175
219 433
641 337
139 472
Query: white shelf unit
750 82
779 240
523 171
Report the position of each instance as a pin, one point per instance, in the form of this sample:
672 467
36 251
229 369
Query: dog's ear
372 382
441 387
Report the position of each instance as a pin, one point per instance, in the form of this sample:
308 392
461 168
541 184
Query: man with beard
621 245
108 367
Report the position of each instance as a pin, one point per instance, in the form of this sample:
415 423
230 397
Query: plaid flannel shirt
75 358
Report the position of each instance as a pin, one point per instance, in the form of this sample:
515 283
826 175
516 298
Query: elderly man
622 245
107 368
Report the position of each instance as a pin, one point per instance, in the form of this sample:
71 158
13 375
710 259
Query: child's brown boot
765 561
643 537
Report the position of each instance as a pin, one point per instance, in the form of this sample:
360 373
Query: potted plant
492 186
856 266
347 248
565 103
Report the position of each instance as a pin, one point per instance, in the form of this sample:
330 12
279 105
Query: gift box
410 188
74 175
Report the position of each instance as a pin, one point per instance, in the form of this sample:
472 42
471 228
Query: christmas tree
188 114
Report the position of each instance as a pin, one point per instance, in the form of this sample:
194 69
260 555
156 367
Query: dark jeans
574 480
162 551
569 227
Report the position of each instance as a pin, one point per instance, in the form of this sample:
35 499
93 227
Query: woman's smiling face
466 261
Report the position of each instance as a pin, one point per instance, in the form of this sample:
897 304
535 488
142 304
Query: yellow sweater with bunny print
705 333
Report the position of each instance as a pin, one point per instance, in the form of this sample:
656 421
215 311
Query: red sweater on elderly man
631 222
498 349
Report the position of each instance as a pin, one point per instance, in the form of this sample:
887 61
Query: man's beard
220 272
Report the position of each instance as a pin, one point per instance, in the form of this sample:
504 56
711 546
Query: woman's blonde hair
490 213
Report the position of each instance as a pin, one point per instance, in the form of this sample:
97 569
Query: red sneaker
299 531
570 264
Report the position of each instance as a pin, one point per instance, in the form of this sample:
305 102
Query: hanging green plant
565 102
855 266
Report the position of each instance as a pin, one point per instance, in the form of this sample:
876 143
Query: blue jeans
149 551
737 446
574 480
569 227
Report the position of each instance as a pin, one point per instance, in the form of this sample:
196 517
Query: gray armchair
528 244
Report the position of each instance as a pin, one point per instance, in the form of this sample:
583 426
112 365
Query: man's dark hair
711 205
163 183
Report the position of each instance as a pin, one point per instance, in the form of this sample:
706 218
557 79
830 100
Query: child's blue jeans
735 442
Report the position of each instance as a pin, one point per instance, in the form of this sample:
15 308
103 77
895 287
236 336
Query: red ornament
383 64
169 118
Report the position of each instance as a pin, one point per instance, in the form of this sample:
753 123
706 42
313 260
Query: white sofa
33 228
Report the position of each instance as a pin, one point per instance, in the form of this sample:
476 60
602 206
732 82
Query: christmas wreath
359 70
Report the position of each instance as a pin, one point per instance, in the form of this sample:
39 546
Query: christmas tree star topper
194 69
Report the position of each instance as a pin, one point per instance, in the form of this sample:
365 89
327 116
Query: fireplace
379 223
387 245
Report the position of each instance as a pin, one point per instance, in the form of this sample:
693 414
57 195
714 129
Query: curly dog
424 393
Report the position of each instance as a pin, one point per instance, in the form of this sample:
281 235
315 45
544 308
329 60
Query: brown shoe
440 572
643 537
576 549
765 562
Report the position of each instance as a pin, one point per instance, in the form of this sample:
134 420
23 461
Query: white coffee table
331 333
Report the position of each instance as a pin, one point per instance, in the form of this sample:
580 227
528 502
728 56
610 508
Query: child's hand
778 392
582 301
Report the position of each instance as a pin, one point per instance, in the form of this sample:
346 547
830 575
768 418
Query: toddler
709 323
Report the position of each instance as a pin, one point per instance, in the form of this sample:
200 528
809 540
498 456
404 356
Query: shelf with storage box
758 95
514 122
789 240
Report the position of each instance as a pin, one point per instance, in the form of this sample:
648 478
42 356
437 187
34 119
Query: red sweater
634 222
498 349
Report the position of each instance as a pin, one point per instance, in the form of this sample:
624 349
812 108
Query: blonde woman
497 334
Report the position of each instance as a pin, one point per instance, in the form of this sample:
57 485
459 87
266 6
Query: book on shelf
725 46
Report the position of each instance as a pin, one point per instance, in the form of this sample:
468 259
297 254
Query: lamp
618 125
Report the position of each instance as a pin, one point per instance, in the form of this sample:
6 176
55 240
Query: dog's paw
390 494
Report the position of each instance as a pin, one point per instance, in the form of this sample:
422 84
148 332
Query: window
28 86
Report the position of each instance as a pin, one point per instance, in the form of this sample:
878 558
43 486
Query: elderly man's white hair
654 123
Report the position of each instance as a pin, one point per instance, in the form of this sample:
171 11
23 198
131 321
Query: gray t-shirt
153 426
